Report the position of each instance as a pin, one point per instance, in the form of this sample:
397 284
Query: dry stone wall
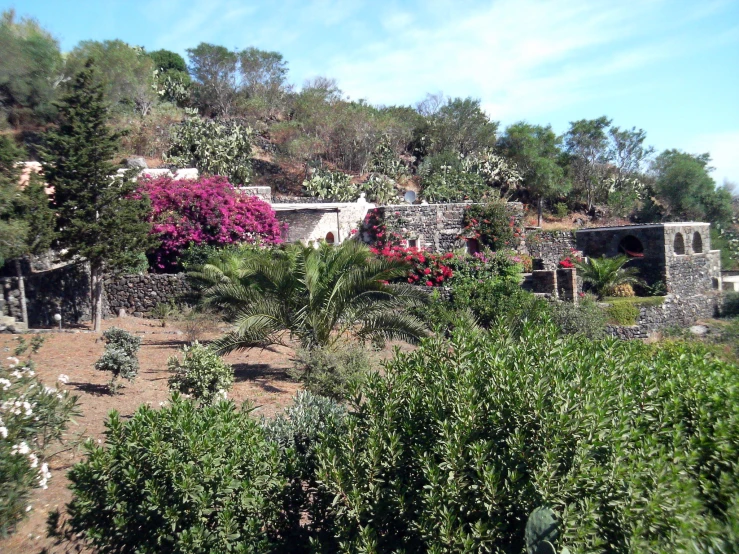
550 246
139 294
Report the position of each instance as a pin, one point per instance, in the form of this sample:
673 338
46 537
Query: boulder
136 162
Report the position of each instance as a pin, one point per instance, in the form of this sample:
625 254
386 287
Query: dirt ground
260 378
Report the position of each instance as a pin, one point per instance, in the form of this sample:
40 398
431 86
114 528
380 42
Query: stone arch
631 246
697 243
330 238
679 244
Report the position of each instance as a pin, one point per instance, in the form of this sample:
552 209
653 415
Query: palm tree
605 274
313 295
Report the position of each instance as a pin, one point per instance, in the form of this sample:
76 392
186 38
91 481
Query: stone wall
676 311
263 193
64 290
434 227
139 294
550 246
300 200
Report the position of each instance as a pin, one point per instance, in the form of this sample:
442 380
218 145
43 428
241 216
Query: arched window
679 244
631 246
697 243
330 238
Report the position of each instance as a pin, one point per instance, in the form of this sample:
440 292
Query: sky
670 67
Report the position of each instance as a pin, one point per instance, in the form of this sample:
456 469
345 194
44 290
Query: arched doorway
330 238
631 246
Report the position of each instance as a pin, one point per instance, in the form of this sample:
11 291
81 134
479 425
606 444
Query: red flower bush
568 262
426 268
205 211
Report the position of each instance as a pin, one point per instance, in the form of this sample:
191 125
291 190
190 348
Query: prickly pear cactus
542 530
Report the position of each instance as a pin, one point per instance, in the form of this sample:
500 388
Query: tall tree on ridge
100 218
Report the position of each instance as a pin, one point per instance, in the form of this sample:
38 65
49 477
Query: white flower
28 508
34 459
64 379
21 448
44 476
4 432
13 361
17 374
5 383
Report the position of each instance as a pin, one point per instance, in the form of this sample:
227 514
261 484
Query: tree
687 191
535 150
26 219
215 71
126 72
458 125
172 79
30 70
586 144
99 217
263 76
317 296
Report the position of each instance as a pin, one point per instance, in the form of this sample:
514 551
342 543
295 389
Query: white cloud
724 150
521 57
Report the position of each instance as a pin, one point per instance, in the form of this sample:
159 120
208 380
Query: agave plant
605 274
316 296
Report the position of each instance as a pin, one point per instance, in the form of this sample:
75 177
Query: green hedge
635 447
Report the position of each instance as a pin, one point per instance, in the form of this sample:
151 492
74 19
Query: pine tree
101 218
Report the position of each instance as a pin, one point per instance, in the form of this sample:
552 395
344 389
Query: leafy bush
623 313
585 318
207 211
201 374
185 479
331 372
426 268
561 210
118 363
492 225
216 148
634 447
731 305
380 189
301 426
120 357
123 340
32 417
605 274
165 311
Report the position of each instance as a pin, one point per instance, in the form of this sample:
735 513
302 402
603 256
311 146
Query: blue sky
670 67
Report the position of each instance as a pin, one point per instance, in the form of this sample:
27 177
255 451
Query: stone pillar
544 281
567 284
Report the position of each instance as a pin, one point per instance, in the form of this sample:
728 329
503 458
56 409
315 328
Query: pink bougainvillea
209 211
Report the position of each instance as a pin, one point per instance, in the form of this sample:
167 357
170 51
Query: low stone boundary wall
139 294
676 311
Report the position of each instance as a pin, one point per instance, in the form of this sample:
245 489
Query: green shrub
585 318
623 313
497 301
120 356
301 426
380 189
331 371
185 479
731 304
201 374
634 447
492 225
561 210
123 340
32 417
118 363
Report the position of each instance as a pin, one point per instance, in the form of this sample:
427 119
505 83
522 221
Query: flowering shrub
32 416
201 374
492 226
426 268
570 261
205 211
382 233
